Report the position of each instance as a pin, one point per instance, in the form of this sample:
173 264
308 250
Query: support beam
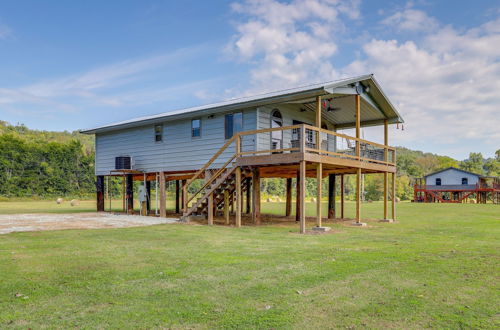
256 196
148 194
99 187
358 196
210 210
358 124
288 206
124 193
226 206
342 196
248 198
301 195
210 200
386 175
319 179
297 197
318 121
184 196
331 196
394 196
163 196
129 187
177 196
238 197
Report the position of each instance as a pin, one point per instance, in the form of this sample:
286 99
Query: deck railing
288 139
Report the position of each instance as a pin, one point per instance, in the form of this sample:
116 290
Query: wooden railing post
358 125
302 138
238 145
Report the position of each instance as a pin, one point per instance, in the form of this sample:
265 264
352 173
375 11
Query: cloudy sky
72 65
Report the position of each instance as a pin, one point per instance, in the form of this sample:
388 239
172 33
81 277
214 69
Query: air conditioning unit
124 163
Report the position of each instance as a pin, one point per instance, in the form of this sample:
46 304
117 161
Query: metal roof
452 168
376 106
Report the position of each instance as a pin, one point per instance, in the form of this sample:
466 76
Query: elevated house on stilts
453 185
232 145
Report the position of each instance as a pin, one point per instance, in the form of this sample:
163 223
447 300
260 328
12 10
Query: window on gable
196 128
158 133
465 181
233 123
438 181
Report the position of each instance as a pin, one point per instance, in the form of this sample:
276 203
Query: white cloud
446 82
411 20
447 85
289 43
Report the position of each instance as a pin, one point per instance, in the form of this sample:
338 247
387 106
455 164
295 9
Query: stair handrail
212 178
235 137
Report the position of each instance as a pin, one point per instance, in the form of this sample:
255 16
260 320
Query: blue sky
72 65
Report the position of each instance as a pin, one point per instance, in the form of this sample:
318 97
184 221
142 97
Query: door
276 136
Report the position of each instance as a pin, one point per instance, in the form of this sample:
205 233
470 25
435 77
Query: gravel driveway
35 222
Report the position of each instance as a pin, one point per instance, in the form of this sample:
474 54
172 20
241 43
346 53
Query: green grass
438 267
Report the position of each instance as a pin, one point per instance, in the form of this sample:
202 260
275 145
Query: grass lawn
438 267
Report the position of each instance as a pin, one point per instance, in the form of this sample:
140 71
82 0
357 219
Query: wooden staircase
217 181
226 181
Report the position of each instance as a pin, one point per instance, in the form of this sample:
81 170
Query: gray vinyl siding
451 177
178 151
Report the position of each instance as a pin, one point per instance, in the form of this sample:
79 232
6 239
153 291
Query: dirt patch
36 222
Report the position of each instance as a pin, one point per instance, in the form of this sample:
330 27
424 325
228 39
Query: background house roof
452 168
375 106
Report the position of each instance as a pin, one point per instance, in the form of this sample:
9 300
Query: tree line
47 164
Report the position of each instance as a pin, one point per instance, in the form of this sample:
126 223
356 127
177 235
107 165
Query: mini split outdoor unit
124 163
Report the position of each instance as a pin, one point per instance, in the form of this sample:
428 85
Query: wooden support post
248 198
256 196
130 193
148 193
331 196
319 180
226 206
163 196
301 195
177 197
210 210
124 208
358 195
288 204
99 186
297 197
318 121
393 196
238 197
386 175
342 197
184 196
358 125
210 201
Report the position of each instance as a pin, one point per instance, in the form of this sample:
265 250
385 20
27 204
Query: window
438 182
196 128
158 133
465 181
233 123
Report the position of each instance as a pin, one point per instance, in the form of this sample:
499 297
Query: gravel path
35 222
